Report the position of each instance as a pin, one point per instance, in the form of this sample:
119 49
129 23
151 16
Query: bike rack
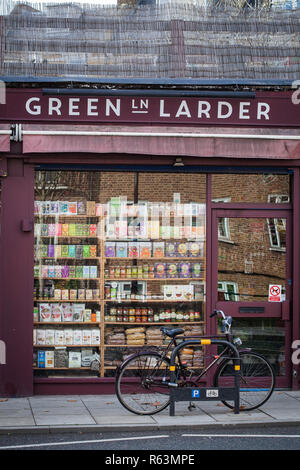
204 393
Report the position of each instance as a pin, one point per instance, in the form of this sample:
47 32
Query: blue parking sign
195 393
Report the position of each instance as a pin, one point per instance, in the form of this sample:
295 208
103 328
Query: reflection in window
228 291
245 188
277 233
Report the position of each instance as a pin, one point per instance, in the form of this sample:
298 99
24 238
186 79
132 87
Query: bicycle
143 379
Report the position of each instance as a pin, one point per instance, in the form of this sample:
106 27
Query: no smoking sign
275 292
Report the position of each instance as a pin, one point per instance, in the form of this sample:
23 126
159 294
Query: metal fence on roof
205 39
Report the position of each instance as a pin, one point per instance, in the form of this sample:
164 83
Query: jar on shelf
134 272
128 272
145 271
140 272
151 272
179 315
117 272
168 315
107 292
191 315
106 273
150 315
197 316
125 314
111 272
144 315
156 317
119 316
138 315
123 272
173 315
131 315
161 315
186 316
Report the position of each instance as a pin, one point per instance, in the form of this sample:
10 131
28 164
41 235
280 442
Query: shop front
123 214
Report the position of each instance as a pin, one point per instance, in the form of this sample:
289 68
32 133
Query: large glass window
248 263
255 188
117 255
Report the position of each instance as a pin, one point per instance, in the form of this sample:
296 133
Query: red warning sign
275 292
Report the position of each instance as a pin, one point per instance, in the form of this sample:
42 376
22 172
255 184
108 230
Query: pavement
104 413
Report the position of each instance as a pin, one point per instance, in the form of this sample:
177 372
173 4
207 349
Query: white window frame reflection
229 296
225 222
277 225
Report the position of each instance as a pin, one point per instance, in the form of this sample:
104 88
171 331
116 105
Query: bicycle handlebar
226 322
217 312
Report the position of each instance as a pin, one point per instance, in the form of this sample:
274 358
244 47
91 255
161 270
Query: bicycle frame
173 343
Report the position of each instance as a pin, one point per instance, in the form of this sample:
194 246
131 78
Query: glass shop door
251 280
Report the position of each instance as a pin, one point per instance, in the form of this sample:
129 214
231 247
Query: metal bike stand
204 393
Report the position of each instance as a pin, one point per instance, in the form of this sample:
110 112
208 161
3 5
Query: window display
117 255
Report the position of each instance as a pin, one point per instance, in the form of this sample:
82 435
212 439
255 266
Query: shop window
117 255
247 188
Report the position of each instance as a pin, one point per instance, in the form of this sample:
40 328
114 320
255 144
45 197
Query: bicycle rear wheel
142 383
257 380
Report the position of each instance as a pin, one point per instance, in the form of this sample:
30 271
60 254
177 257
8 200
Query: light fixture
178 162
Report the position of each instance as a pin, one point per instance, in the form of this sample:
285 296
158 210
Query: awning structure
5 133
264 143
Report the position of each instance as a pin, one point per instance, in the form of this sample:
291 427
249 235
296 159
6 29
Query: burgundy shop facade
243 150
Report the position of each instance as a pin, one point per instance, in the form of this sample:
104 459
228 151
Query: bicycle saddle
171 332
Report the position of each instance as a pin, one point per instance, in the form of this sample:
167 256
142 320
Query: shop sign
266 109
275 293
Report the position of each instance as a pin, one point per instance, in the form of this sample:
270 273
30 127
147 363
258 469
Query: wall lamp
178 162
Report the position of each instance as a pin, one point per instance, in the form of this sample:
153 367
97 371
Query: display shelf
71 323
157 323
111 279
41 346
68 278
149 301
62 301
166 258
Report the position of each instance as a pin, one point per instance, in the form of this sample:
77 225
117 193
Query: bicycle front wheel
257 380
142 384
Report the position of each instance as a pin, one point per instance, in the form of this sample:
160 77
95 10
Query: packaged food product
45 312
160 270
110 249
158 249
182 249
95 335
78 312
49 359
171 249
41 359
77 337
133 249
69 336
50 337
59 337
145 249
184 270
56 312
74 359
172 270
40 337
